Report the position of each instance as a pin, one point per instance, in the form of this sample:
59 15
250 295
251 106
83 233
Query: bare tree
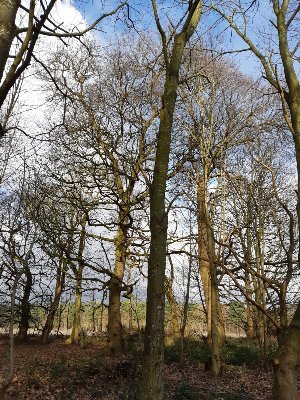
39 22
282 76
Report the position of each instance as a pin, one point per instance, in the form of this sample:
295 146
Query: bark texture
25 306
8 12
114 326
59 286
288 357
76 328
152 379
287 362
206 262
174 309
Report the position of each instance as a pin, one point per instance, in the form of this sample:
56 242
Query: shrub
194 349
246 353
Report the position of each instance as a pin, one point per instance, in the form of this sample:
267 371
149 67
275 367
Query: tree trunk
215 335
152 381
130 311
288 358
8 12
94 305
6 383
59 322
60 283
260 288
205 267
25 307
100 324
114 325
247 249
174 309
186 300
249 309
76 328
287 361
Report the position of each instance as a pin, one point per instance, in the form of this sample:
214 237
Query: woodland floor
58 371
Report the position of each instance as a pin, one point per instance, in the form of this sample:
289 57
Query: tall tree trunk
8 12
60 283
130 310
205 255
6 383
260 288
288 358
186 299
114 325
76 328
100 323
60 322
174 309
25 307
94 307
248 258
215 336
249 308
287 361
152 380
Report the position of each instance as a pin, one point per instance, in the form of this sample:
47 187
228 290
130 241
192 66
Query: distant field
133 319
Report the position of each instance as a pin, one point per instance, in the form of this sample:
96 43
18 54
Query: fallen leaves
62 372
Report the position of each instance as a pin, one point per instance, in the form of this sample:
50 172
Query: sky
141 13
77 14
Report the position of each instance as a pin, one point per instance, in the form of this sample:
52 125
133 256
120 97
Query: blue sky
141 12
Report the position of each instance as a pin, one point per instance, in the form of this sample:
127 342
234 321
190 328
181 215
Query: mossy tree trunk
206 261
25 306
78 272
59 286
215 336
287 365
186 298
152 379
260 295
248 258
249 308
174 309
76 327
114 325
